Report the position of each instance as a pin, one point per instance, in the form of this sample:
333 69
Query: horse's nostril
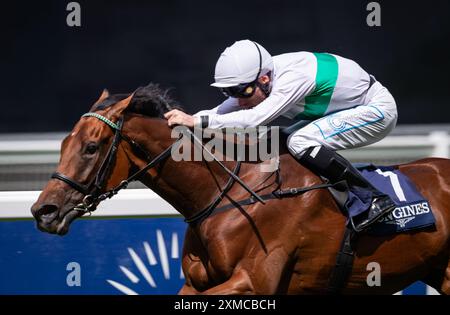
46 212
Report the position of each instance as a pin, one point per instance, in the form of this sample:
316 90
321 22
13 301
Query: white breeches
350 128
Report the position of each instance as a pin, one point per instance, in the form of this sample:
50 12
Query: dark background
52 73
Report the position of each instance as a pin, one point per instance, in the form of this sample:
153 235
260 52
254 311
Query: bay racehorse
285 246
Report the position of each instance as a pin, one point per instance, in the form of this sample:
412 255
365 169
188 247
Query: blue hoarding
98 256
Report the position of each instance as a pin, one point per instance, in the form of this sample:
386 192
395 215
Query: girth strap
344 262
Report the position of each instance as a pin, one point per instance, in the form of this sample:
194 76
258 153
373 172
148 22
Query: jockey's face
257 97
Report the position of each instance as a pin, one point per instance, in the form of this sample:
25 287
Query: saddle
412 212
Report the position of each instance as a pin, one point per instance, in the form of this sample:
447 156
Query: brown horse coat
287 246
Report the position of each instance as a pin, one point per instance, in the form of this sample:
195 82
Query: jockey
347 107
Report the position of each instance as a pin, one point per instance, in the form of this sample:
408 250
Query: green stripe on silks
317 102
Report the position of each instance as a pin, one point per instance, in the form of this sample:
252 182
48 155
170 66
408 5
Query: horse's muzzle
50 219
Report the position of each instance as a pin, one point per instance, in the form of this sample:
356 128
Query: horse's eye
91 148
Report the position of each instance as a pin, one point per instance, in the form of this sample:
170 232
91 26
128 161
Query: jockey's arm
264 112
289 90
227 106
243 118
177 117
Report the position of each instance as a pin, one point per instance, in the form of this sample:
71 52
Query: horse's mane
152 101
149 101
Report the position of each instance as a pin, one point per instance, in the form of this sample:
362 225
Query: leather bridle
93 191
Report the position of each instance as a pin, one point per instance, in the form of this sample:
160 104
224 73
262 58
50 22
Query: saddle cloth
412 210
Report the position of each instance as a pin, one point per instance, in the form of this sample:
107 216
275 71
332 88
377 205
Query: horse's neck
189 186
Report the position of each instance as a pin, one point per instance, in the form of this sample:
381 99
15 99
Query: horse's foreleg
239 284
445 287
263 277
187 290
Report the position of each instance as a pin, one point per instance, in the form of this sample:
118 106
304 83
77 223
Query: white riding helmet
241 63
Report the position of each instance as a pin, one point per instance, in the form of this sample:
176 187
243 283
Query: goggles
244 90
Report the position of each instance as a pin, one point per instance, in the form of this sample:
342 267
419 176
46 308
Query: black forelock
149 101
152 101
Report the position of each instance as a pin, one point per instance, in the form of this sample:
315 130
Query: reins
93 191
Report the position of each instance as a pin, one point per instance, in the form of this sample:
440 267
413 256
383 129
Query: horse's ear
118 108
103 96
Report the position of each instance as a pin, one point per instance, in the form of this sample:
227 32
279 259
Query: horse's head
88 165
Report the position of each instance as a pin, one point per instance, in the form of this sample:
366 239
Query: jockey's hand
177 117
